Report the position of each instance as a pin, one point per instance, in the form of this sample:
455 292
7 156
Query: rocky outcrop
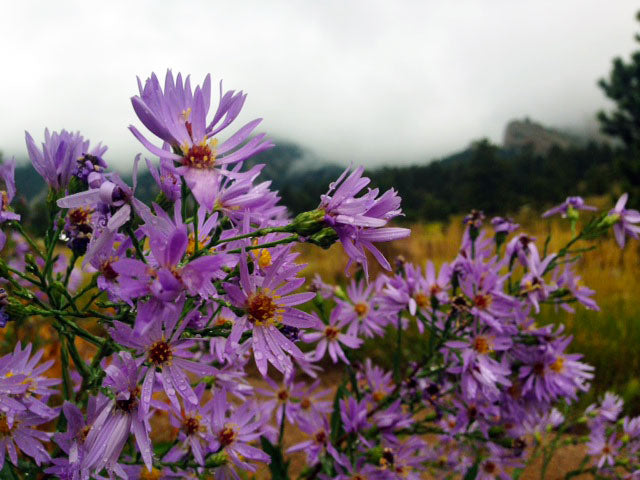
523 134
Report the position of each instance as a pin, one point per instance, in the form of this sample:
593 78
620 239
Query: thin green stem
135 242
67 386
290 239
18 226
256 233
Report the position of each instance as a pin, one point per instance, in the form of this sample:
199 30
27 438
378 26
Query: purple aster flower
237 197
19 364
567 279
113 197
521 246
482 284
309 401
267 302
360 221
354 415
7 176
548 372
504 225
474 219
118 418
298 401
194 428
571 204
57 161
18 434
91 165
626 221
498 465
532 283
167 178
606 448
160 345
362 308
378 382
177 115
169 277
318 430
78 229
402 461
330 337
7 171
480 372
73 441
608 410
233 432
324 289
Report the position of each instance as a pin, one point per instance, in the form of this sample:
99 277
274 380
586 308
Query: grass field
609 339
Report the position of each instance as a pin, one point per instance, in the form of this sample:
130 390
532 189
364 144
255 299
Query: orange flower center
4 426
482 301
226 436
262 309
283 395
202 155
191 425
421 299
361 309
108 271
331 332
154 474
320 437
481 345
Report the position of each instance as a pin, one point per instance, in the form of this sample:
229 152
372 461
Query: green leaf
337 429
472 473
278 467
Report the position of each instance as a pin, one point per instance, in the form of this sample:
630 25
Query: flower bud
324 238
609 220
308 223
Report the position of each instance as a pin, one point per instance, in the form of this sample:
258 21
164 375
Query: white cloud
363 80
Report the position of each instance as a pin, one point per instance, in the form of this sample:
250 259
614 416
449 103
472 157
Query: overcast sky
354 80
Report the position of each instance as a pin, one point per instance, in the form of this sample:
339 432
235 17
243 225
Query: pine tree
623 88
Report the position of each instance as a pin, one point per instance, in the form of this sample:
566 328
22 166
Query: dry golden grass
609 339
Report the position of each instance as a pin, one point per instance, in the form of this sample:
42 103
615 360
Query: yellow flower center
558 365
262 308
154 474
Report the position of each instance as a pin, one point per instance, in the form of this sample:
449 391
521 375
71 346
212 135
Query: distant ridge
527 134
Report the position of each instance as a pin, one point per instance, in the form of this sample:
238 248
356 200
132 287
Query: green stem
290 239
18 226
135 242
67 388
72 263
256 233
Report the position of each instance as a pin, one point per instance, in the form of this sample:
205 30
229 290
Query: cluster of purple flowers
195 290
